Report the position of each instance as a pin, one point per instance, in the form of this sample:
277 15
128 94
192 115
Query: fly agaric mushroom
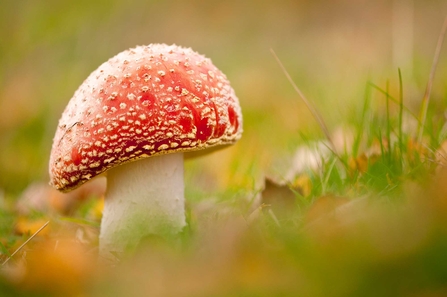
134 117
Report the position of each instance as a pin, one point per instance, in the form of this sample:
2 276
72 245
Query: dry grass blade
426 98
28 240
309 105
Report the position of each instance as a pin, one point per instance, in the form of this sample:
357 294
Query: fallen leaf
279 196
324 206
358 164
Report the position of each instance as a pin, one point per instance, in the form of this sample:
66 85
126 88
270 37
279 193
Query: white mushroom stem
143 198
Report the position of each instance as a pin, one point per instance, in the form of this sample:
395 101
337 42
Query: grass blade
391 98
362 124
28 240
401 113
388 121
426 98
309 105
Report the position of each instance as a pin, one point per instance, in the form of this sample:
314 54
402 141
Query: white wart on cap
146 101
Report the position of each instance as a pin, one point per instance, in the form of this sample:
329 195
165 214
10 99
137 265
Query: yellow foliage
28 226
358 164
303 185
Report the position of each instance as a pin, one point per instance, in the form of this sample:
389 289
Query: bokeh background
331 48
378 232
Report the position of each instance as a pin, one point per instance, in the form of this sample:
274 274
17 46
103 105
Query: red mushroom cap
146 101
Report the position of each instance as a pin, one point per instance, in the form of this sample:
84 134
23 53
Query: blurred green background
331 48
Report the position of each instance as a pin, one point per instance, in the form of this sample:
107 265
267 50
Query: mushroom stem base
144 198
